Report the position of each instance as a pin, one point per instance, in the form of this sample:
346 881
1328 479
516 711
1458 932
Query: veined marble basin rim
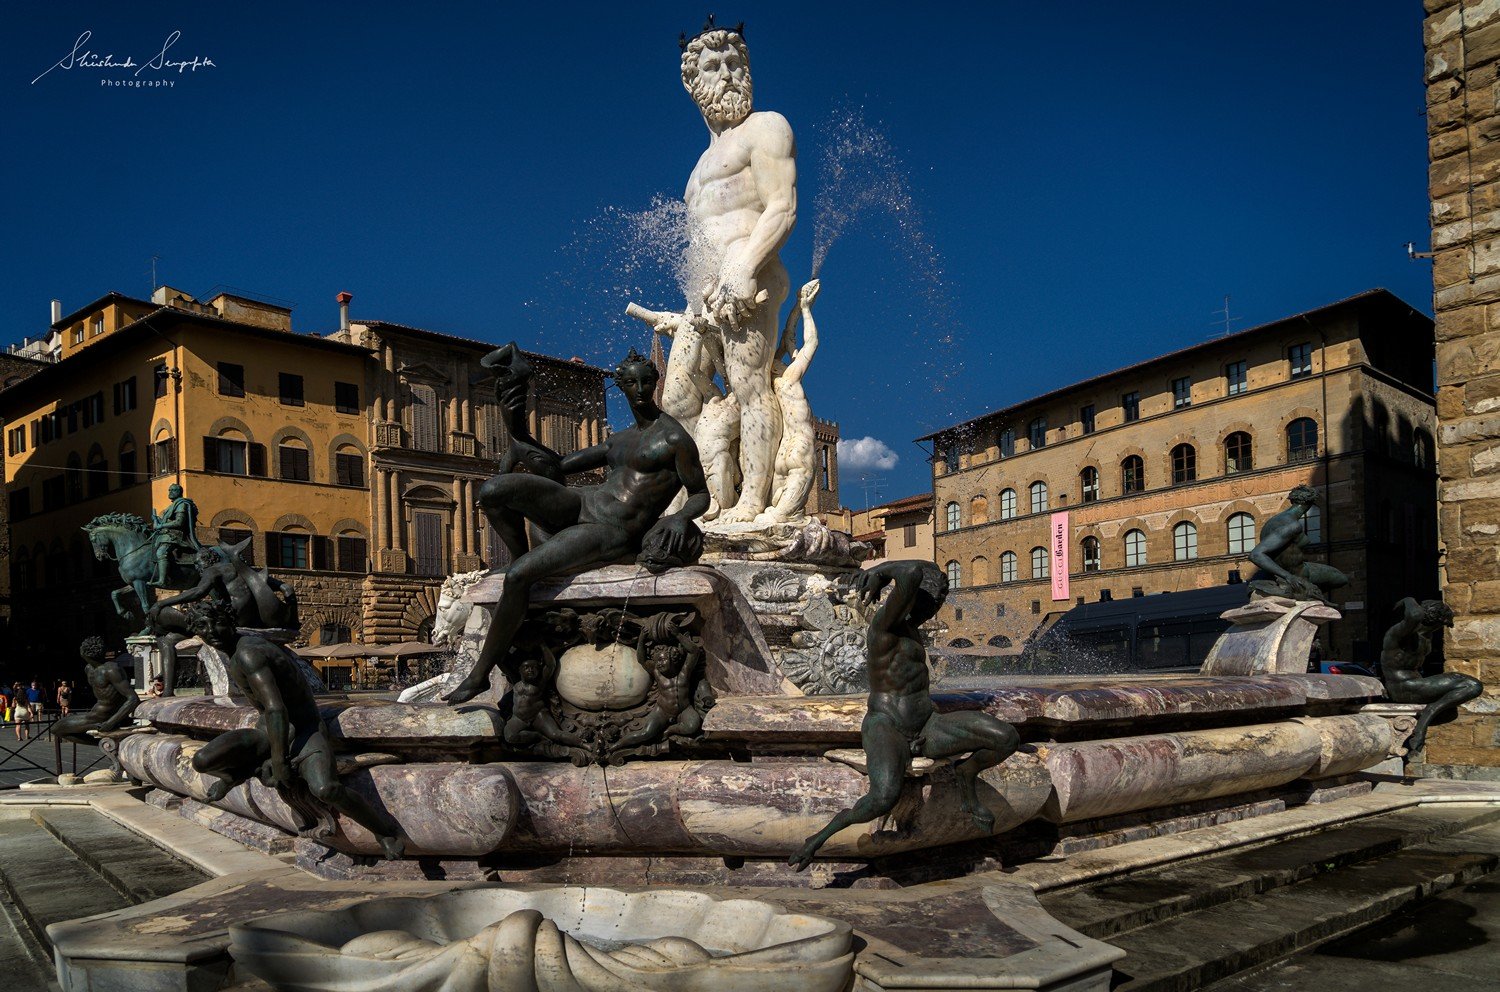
1038 700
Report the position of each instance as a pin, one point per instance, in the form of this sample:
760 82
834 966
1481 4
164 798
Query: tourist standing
4 704
36 699
20 712
64 697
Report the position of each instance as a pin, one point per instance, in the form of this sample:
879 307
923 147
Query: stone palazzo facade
1168 469
350 460
1462 39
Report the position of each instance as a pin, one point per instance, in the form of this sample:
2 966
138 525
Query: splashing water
860 177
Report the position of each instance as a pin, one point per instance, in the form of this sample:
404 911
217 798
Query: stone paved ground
18 758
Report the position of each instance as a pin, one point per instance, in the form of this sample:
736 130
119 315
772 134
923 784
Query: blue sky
1086 181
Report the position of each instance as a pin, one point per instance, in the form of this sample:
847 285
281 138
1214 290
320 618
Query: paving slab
35 875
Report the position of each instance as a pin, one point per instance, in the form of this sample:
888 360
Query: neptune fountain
657 765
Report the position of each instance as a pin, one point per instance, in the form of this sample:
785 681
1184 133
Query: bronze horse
125 539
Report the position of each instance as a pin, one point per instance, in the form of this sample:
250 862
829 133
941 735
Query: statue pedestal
1270 636
142 648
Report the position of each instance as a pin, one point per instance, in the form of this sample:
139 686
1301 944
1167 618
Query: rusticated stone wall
1462 39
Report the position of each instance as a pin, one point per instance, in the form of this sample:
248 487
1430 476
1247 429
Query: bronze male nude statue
617 521
901 722
1402 652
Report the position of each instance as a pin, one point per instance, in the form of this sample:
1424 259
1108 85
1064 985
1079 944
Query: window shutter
171 459
273 549
320 552
258 460
210 454
150 461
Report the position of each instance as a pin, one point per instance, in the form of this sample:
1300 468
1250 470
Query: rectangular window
1131 404
54 494
346 397
230 536
349 470
1234 378
78 334
429 542
909 535
225 456
294 463
98 326
20 504
1299 359
1086 417
1007 442
16 440
125 396
163 455
231 379
93 409
290 388
159 373
1182 392
288 550
353 554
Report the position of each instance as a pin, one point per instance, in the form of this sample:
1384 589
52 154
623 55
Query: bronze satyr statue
900 722
290 749
585 527
260 601
1280 555
1402 652
114 698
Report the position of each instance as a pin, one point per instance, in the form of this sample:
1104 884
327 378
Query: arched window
955 575
1312 525
979 571
1038 497
351 552
979 510
1007 504
98 473
1089 480
1036 433
348 466
1132 475
1421 448
953 516
127 462
231 453
1185 541
1184 464
1302 440
960 642
1241 533
1238 453
1135 548
1008 567
425 430
1041 564
293 460
290 548
1091 554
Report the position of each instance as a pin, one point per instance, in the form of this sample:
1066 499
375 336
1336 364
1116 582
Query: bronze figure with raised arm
584 527
900 721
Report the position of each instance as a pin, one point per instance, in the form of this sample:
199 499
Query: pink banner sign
1060 555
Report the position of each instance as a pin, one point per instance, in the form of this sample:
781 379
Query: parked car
1343 668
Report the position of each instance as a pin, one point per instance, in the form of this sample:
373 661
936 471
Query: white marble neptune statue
741 204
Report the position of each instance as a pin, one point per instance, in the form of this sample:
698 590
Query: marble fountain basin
566 939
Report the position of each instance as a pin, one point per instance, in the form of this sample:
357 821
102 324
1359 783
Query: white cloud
866 453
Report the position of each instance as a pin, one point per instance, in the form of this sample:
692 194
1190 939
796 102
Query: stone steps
136 868
23 961
45 883
1114 906
1188 925
61 863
